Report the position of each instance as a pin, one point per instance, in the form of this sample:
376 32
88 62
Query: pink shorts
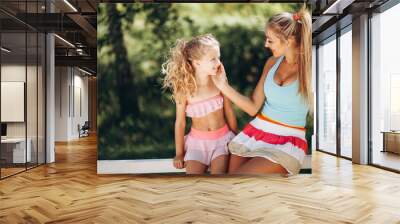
204 146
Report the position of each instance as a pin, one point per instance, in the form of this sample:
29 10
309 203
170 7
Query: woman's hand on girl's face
219 78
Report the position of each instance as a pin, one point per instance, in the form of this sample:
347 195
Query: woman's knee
235 162
260 165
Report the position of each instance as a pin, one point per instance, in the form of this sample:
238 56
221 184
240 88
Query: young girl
187 73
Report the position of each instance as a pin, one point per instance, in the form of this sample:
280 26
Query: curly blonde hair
178 69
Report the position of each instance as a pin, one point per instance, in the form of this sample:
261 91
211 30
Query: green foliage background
135 117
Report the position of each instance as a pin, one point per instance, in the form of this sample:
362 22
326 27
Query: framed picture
136 115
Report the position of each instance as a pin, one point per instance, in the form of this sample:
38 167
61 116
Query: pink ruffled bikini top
204 107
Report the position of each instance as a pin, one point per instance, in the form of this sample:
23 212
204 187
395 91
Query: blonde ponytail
305 55
179 73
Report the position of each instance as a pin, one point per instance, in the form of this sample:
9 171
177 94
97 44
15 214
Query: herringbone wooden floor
70 191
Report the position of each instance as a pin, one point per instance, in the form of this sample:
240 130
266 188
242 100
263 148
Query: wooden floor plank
70 191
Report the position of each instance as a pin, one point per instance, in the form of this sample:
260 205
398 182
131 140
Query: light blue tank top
283 103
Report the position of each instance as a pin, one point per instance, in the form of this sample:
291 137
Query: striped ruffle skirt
263 137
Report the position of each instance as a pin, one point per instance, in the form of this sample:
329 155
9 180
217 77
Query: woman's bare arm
249 105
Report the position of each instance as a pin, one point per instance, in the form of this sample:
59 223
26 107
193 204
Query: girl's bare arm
180 124
230 115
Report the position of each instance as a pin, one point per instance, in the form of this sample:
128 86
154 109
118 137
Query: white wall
13 72
80 110
61 103
71 94
33 126
16 73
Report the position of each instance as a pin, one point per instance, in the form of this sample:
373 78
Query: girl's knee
195 167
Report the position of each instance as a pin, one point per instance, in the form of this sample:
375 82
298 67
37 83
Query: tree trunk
126 91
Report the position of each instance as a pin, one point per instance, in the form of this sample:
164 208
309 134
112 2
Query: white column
360 90
50 93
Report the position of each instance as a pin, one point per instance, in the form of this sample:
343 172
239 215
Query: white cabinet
391 141
18 149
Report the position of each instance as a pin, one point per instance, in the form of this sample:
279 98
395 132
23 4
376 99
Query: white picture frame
12 101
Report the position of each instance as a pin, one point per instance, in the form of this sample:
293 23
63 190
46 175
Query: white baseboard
136 166
306 162
151 166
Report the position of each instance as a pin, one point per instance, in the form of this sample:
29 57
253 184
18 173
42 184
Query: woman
274 142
